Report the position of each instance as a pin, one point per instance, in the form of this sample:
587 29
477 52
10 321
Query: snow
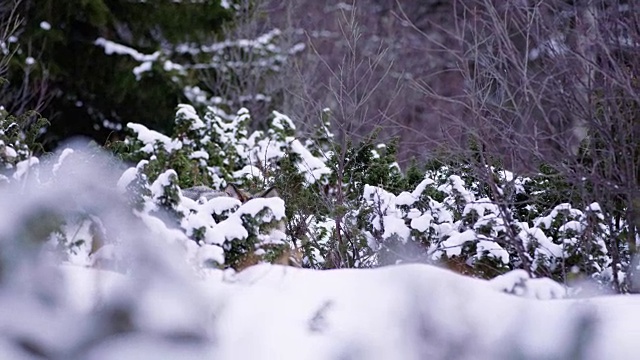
480 206
220 205
422 223
518 282
413 214
254 206
572 225
299 47
545 245
65 153
282 122
420 188
142 68
151 138
189 112
409 312
248 172
405 198
170 66
129 175
146 61
10 152
199 154
491 249
111 47
208 253
595 207
226 230
495 222
453 245
395 226
564 208
456 185
313 167
160 301
23 167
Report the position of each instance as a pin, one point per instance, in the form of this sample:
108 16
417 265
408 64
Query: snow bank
398 312
412 312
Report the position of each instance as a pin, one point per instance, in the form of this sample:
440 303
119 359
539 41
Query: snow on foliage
228 59
226 153
153 139
101 260
442 219
452 225
111 47
23 167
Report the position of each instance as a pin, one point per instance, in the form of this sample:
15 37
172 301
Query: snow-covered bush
158 307
361 212
569 243
458 230
350 207
215 151
17 143
444 219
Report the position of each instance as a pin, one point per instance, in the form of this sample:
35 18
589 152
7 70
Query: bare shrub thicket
307 76
382 56
343 100
242 74
554 83
516 83
8 25
31 94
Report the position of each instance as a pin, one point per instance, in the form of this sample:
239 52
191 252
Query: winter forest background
453 179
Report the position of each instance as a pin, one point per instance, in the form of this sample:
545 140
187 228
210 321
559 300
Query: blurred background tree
75 60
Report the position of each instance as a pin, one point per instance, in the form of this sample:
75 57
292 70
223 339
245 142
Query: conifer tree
69 65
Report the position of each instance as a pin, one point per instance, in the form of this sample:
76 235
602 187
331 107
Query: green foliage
346 207
89 90
18 139
215 151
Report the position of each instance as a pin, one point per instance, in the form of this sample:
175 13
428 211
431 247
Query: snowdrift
398 312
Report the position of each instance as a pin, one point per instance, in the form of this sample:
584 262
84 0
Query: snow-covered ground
397 312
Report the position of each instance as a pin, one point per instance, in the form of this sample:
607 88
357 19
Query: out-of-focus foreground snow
159 303
399 312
